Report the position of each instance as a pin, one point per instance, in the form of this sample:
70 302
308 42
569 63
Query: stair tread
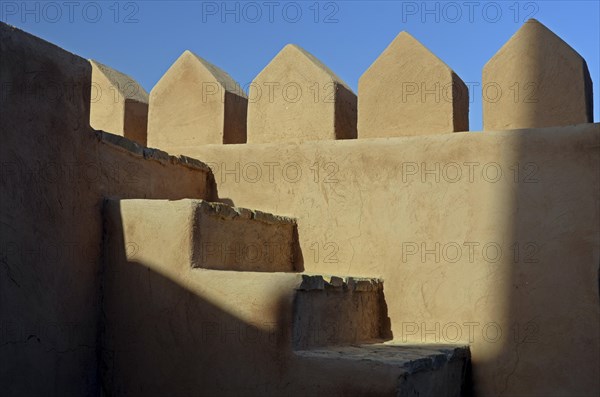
409 357
207 235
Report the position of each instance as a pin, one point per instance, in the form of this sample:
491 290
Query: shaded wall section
170 329
55 172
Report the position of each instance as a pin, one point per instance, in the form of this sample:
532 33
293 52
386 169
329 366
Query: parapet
196 103
118 104
297 98
409 91
536 80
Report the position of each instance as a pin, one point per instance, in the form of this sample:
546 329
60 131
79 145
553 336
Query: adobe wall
373 207
490 238
55 172
177 331
394 208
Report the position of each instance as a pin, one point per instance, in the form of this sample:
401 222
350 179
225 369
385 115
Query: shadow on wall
551 228
55 170
178 343
161 338
554 258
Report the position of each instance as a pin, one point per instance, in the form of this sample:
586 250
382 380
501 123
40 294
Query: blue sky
143 38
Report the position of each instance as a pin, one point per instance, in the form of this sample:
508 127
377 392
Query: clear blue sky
143 38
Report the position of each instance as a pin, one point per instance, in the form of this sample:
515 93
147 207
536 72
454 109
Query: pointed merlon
409 91
196 103
536 80
118 104
296 98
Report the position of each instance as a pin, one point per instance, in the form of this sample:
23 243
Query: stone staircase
306 334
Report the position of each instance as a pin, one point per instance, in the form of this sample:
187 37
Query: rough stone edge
434 361
431 360
314 282
225 211
137 150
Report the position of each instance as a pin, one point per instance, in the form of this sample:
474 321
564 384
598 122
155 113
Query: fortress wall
55 172
490 238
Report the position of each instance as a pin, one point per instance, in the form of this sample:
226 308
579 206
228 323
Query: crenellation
118 104
409 91
542 82
296 98
196 103
269 280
